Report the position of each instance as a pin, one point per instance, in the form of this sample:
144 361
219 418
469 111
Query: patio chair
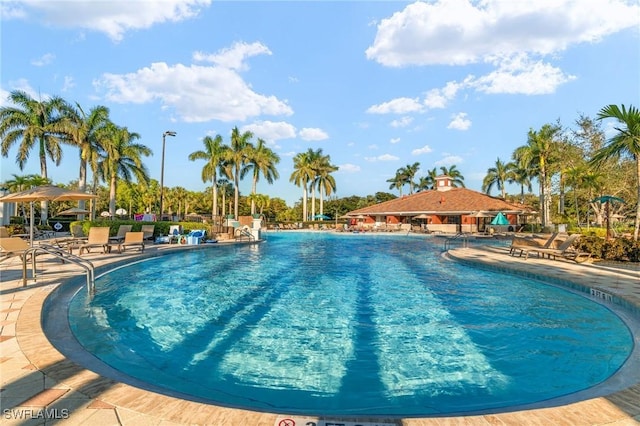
525 245
148 231
122 231
98 238
565 250
4 232
11 247
132 240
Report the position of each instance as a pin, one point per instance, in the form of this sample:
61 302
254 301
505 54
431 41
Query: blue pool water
322 323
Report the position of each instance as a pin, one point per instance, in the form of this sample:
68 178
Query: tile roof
452 201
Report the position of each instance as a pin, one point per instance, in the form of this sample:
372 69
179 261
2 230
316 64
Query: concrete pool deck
40 386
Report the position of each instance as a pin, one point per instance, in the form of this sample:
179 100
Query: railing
60 254
459 237
240 233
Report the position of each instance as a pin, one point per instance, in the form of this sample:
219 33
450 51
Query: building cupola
443 183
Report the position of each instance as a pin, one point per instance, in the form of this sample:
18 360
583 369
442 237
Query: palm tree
81 129
626 142
457 180
497 175
521 176
260 160
397 182
324 180
409 172
225 188
303 173
32 123
123 159
214 154
236 159
537 156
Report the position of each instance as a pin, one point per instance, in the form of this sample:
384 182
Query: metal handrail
458 236
60 254
239 232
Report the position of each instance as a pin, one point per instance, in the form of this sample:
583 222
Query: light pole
164 135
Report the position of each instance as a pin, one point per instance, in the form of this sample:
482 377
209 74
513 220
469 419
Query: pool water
346 324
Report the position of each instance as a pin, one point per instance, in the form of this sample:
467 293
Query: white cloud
349 168
271 131
114 18
311 134
397 106
43 60
439 98
394 140
233 57
402 122
69 83
373 146
197 93
449 160
519 75
424 150
460 32
459 121
383 157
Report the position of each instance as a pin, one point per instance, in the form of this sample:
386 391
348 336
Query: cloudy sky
376 85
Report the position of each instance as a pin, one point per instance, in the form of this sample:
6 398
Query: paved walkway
40 386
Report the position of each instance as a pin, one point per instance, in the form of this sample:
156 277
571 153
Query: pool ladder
459 237
62 255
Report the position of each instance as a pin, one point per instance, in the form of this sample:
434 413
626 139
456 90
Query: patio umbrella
44 193
500 219
75 211
607 199
422 216
321 216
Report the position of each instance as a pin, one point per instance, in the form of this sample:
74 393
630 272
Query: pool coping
88 396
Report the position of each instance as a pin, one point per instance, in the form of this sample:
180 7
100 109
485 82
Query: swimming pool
319 323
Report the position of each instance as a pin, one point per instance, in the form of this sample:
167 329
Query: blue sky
377 85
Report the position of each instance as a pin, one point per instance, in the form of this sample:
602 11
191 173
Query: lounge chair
122 231
132 240
77 232
148 231
565 250
98 238
4 232
10 247
525 245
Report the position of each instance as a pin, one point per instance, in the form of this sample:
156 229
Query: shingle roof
453 201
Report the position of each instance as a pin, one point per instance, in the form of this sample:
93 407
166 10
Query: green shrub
618 249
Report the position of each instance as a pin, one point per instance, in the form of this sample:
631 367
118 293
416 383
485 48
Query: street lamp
164 135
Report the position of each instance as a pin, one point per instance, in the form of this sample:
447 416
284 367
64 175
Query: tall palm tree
324 180
236 158
409 173
457 180
260 160
497 175
626 142
123 159
225 189
303 173
397 182
537 156
31 123
522 177
214 154
81 130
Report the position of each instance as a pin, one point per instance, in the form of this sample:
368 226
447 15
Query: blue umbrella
500 219
321 216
